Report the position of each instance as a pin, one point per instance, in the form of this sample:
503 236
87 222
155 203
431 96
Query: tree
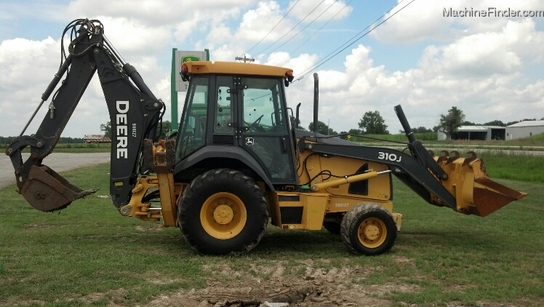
373 123
495 123
355 131
322 128
166 129
450 122
352 133
295 122
106 128
420 129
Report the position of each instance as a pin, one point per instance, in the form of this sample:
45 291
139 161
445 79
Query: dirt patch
272 285
302 293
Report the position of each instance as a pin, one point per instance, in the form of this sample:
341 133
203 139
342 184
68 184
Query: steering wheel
257 121
255 125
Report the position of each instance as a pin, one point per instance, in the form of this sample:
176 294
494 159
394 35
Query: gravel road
57 161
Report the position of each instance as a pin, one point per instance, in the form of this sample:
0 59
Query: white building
476 133
524 129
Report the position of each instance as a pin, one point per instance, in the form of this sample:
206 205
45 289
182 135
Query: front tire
222 211
368 229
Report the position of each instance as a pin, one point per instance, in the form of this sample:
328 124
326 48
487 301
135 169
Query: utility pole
245 58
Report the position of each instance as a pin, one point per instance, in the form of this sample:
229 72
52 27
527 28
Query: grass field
89 254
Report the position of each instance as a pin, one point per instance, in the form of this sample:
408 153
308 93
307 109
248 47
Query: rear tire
222 211
368 229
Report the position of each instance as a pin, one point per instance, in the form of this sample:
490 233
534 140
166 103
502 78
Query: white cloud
328 9
423 20
479 65
24 63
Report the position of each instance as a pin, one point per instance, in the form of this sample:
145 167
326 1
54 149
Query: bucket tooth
455 157
47 191
472 157
444 157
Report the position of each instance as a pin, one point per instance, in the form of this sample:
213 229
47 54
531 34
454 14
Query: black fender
214 152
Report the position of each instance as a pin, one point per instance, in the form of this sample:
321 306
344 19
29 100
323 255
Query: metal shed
524 129
477 133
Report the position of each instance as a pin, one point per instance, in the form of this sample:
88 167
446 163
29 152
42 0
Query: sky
426 55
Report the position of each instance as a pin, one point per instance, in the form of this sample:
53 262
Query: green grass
515 167
88 254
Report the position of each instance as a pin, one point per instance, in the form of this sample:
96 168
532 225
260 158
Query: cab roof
236 68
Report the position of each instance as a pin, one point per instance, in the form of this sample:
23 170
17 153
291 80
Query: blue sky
488 67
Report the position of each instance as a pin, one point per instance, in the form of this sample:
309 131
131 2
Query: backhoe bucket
47 191
474 192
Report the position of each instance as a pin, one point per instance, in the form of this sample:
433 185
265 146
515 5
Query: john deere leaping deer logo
250 141
189 58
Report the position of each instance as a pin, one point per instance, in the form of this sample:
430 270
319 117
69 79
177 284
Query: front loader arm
134 115
408 169
461 184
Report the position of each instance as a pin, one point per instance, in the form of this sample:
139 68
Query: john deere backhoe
237 162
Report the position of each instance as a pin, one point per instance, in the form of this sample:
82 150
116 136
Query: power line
304 27
318 30
354 38
273 27
291 28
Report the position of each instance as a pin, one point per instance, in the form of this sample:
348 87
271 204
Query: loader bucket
469 183
47 191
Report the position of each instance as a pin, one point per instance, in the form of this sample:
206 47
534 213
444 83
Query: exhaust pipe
316 101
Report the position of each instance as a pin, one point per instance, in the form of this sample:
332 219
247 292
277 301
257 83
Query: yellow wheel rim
372 232
223 215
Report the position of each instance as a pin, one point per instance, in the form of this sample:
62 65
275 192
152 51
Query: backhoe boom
134 115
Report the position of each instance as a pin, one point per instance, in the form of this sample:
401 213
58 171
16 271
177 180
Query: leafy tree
106 128
322 128
373 123
351 133
495 123
420 129
512 122
450 122
355 131
295 122
166 129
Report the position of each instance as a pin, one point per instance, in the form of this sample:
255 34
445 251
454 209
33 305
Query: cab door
264 126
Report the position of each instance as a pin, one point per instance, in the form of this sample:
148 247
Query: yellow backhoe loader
238 161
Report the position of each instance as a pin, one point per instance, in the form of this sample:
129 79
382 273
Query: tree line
373 123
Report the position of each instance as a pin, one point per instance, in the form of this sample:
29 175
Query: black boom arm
134 116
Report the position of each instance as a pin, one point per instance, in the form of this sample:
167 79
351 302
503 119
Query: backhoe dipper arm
134 115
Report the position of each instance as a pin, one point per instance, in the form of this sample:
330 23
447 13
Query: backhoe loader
239 161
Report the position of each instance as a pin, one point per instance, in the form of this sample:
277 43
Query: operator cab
240 110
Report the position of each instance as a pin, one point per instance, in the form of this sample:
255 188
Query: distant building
524 129
484 133
96 138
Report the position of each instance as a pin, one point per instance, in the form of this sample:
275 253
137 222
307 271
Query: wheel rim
372 232
223 215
